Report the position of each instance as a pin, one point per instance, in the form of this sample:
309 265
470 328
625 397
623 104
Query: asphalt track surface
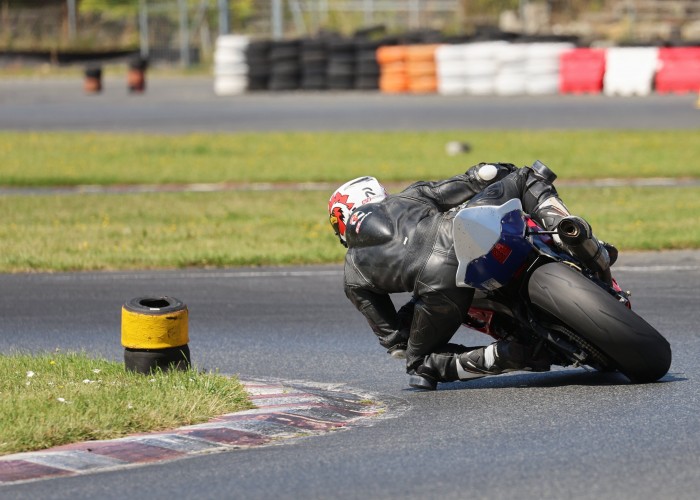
189 105
566 433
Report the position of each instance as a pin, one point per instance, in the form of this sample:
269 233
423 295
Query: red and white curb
283 411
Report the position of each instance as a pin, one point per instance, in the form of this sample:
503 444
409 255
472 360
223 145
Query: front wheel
635 347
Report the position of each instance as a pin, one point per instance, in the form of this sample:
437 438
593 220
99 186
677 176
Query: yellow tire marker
145 325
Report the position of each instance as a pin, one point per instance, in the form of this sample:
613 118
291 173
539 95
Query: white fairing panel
476 230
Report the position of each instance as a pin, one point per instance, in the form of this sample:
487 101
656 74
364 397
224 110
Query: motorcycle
530 290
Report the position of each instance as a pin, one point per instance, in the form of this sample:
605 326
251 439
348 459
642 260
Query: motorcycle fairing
490 244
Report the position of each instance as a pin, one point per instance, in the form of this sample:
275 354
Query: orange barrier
407 68
393 78
422 69
391 54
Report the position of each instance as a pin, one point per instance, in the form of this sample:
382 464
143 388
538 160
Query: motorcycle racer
404 243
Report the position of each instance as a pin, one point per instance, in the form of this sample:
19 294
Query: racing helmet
348 197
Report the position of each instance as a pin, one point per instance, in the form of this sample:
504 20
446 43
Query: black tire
639 351
156 306
146 361
149 326
340 82
364 82
283 83
341 69
313 82
285 51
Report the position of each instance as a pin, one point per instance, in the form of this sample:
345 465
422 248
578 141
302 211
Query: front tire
639 351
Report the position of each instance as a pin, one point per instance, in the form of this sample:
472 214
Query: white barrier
542 67
482 66
512 70
500 68
450 66
230 67
630 70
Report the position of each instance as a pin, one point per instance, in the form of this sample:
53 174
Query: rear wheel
597 318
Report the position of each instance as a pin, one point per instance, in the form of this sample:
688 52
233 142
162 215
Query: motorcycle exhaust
576 234
574 231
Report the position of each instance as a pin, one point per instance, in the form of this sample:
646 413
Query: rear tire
637 349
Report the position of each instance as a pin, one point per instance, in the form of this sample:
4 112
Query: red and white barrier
678 70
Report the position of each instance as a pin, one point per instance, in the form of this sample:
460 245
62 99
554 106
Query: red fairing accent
531 224
501 252
481 315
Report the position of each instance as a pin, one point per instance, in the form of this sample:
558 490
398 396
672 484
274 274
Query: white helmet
348 197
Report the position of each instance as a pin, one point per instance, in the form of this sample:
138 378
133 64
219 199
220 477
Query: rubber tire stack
542 67
512 70
314 62
367 67
393 77
341 64
421 69
93 80
481 66
285 73
154 333
258 59
230 66
450 68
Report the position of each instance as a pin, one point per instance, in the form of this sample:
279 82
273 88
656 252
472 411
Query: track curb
284 411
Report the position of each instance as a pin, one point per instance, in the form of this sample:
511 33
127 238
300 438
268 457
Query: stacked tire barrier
512 70
314 63
230 67
367 70
450 67
421 69
495 67
93 80
285 65
542 67
393 69
258 59
341 64
482 66
155 334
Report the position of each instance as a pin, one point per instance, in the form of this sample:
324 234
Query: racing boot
437 367
440 367
501 357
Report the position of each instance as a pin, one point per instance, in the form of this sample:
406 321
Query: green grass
176 230
639 218
62 158
138 231
54 399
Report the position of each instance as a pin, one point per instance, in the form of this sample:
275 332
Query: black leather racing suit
404 244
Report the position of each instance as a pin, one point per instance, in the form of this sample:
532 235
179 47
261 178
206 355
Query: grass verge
72 158
54 399
176 230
